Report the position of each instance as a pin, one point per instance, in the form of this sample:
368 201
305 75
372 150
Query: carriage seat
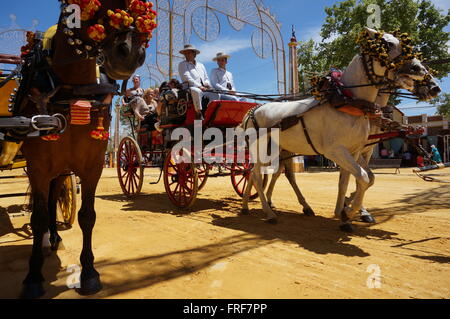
226 113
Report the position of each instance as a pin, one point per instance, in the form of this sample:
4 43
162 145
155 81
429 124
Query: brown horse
75 67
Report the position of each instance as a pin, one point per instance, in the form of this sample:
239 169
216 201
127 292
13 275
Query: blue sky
251 73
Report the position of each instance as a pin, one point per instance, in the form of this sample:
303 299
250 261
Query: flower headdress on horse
138 14
373 47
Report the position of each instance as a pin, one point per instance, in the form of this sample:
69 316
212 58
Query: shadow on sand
14 268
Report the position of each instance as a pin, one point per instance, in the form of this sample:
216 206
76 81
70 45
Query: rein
428 178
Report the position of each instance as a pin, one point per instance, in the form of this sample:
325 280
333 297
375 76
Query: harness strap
92 89
308 138
252 116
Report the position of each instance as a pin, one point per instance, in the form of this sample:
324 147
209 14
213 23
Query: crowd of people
412 158
147 105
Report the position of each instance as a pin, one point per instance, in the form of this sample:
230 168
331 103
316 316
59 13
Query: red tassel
100 133
51 137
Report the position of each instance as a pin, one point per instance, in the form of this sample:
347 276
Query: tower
293 64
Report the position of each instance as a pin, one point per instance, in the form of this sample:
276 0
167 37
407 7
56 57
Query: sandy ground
145 248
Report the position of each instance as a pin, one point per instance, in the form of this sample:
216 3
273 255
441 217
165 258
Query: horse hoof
90 286
245 211
32 291
308 212
272 206
348 228
272 221
368 219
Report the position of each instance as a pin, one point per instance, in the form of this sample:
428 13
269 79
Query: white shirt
194 74
220 78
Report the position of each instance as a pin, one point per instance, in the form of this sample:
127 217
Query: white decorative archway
179 19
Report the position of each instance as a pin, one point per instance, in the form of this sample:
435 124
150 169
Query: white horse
426 91
323 129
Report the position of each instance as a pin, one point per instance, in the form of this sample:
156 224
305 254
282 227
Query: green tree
442 103
420 18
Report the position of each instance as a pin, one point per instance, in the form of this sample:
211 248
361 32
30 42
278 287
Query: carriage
11 157
183 181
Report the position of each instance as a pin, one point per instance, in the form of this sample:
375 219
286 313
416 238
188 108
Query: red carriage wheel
130 167
203 174
180 181
240 174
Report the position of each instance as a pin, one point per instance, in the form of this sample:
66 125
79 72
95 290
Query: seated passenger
222 79
194 73
133 99
149 98
152 119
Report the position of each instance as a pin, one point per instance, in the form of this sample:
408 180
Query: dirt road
145 248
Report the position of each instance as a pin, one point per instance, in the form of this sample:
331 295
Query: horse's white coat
339 136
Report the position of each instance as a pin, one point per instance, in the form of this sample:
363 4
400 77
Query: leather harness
284 125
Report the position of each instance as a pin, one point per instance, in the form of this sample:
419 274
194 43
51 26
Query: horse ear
370 31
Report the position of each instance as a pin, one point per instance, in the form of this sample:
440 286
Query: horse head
116 32
393 58
427 89
124 52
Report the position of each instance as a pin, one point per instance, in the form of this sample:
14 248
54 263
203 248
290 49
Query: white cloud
442 4
311 33
225 45
314 33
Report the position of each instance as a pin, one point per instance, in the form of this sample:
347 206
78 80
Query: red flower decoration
88 8
97 32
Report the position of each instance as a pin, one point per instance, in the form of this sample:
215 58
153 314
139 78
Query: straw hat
221 55
189 47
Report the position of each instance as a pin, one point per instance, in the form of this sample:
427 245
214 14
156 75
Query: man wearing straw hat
194 73
222 79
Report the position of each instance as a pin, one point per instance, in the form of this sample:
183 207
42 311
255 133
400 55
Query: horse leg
289 172
344 179
246 197
365 216
32 285
89 278
273 181
345 160
258 183
55 192
364 160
